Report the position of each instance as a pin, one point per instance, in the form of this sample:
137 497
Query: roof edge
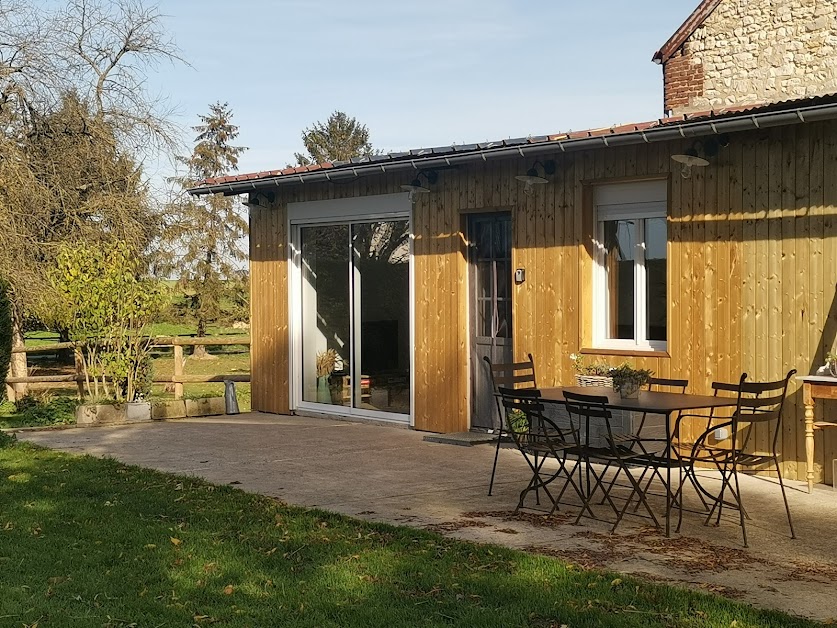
725 121
687 28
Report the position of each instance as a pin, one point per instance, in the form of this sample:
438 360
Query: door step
463 439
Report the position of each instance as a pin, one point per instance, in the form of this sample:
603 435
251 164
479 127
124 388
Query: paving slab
380 473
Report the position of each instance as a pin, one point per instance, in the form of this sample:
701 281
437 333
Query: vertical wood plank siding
269 310
752 270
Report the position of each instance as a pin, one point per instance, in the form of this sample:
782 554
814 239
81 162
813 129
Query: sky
417 74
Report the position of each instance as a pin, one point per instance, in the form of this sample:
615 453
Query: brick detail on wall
683 80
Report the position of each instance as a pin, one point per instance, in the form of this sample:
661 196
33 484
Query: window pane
655 268
483 239
619 242
503 280
504 318
325 314
381 284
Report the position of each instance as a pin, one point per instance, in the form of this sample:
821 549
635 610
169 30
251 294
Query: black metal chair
656 450
583 409
540 439
758 403
515 375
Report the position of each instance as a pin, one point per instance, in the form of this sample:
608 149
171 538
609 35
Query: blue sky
418 74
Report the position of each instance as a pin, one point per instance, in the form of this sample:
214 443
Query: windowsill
641 353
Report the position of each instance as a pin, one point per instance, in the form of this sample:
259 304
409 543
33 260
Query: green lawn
89 542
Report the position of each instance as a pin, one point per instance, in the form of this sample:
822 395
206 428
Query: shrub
45 409
6 439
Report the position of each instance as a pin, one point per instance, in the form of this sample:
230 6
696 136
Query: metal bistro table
653 403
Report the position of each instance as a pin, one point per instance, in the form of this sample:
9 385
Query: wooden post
17 368
178 371
79 372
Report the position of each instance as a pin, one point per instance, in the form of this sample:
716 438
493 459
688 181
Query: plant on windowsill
326 361
627 380
594 374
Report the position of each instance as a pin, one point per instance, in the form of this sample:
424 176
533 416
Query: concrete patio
391 475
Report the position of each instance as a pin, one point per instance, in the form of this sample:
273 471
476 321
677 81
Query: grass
90 542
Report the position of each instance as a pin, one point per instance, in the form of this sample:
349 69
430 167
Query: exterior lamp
254 199
699 153
415 186
533 178
688 160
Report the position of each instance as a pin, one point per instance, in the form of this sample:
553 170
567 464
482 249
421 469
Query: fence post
79 372
178 370
18 367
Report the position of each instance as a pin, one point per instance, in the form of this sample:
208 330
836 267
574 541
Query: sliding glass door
354 313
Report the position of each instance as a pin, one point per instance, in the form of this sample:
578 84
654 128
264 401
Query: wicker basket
594 380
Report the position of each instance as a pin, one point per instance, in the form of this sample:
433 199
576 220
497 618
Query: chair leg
494 468
740 506
784 496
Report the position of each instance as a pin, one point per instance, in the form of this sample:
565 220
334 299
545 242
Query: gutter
663 133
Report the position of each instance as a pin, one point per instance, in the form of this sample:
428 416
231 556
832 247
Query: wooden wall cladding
269 310
752 270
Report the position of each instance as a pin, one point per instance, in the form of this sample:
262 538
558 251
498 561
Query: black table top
648 401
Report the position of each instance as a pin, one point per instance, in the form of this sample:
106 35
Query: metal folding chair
758 403
513 375
583 409
539 439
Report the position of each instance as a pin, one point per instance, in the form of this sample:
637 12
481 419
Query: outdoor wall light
532 178
415 187
692 156
254 200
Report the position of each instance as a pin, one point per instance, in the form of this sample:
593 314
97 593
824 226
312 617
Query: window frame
640 210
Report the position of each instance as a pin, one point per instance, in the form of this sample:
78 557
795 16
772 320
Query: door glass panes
620 238
492 257
381 293
326 324
655 268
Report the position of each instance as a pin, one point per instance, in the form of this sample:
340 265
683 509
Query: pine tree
203 235
337 139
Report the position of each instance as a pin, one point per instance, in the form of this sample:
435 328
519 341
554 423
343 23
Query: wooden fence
178 378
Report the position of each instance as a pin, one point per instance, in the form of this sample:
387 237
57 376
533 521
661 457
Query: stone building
734 53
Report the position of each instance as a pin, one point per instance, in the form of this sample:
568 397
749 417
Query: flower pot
629 390
594 380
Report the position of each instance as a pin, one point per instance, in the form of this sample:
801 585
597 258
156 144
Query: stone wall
755 51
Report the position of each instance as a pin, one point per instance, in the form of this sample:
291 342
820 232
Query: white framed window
630 277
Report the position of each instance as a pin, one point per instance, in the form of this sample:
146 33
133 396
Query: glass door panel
326 315
381 299
355 315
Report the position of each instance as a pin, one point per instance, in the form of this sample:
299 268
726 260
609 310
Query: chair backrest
582 408
655 383
759 403
527 424
515 375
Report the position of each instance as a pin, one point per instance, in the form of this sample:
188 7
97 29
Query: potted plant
831 363
627 380
594 374
518 421
325 362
